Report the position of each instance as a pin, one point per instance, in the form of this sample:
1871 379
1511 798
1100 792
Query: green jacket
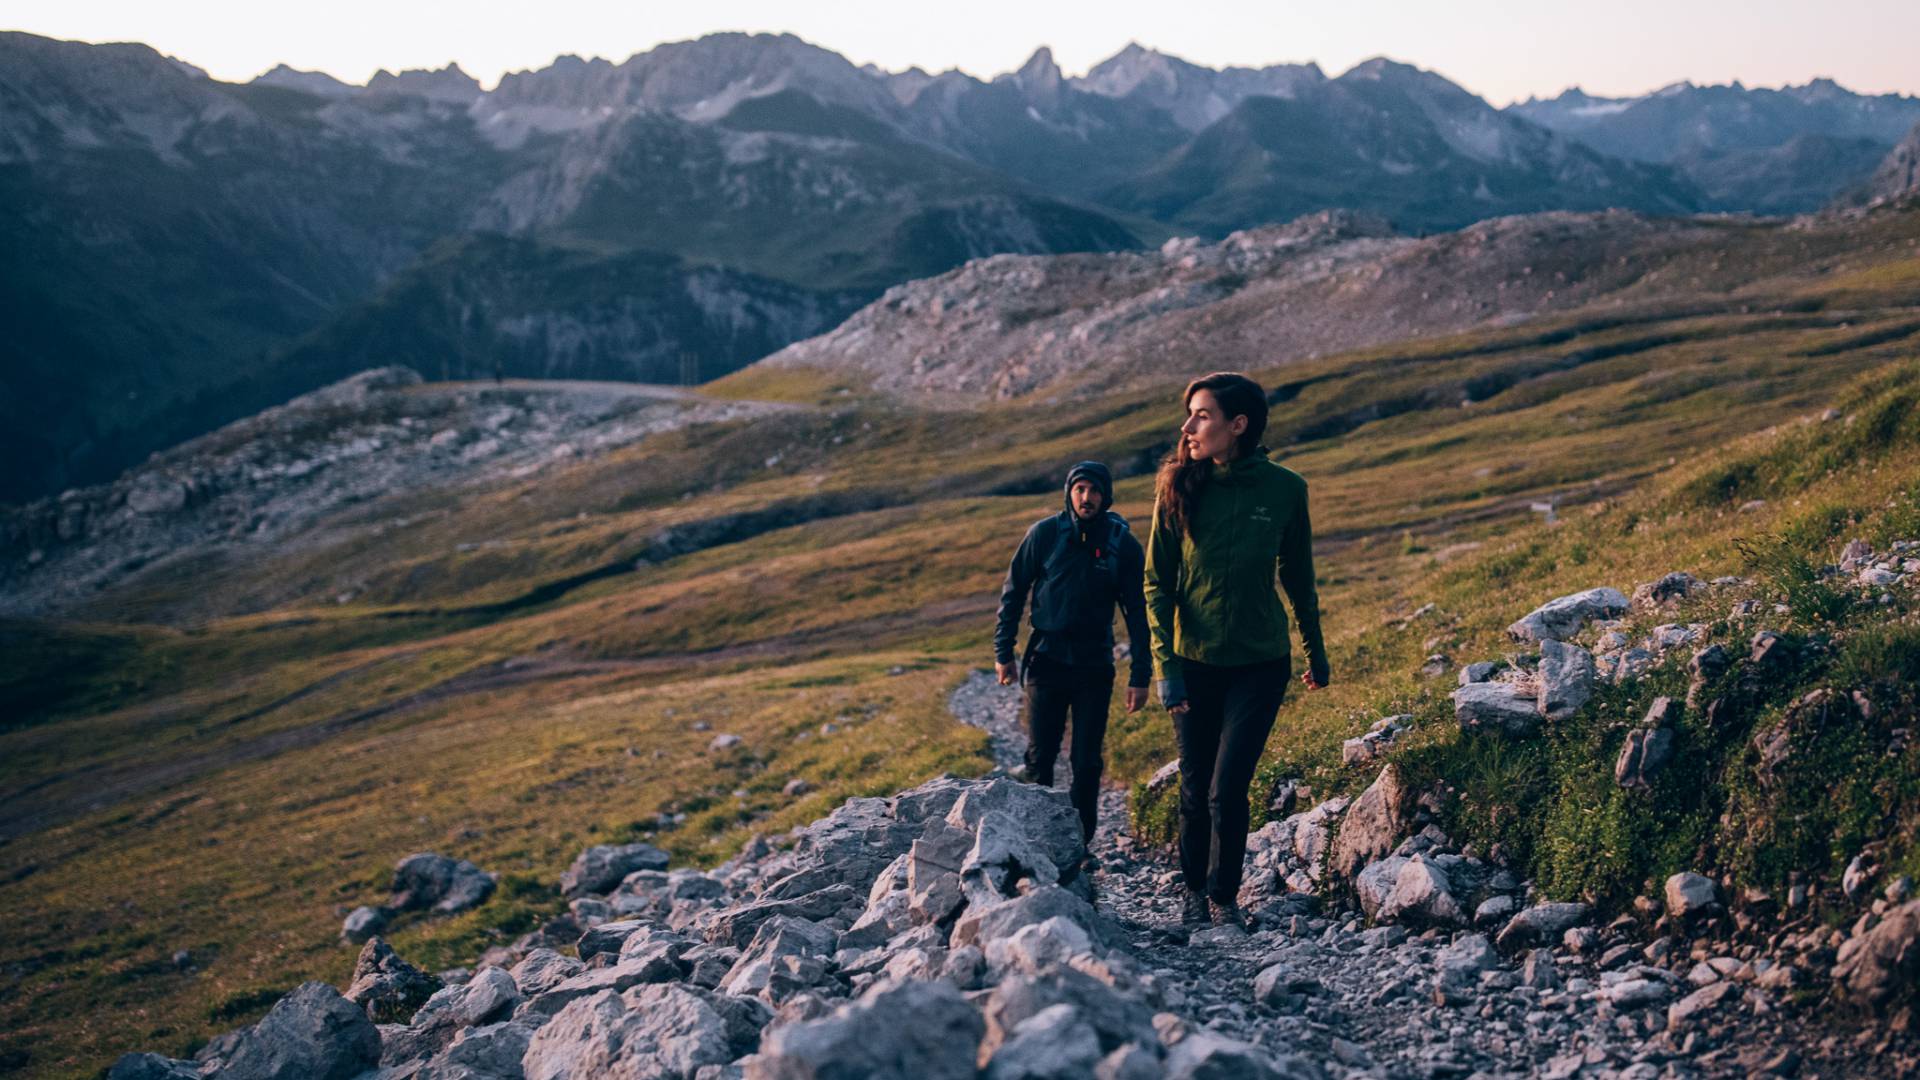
1213 595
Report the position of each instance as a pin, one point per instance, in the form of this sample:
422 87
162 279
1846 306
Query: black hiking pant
1053 690
1221 735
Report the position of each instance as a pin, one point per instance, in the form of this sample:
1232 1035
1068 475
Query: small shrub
1788 574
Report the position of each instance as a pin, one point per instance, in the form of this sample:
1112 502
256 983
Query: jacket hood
1095 473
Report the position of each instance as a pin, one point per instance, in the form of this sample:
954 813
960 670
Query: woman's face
1209 433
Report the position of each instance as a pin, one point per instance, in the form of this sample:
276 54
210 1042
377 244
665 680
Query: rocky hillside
1326 283
1898 177
280 477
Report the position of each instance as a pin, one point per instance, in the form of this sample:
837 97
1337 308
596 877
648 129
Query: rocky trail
1364 1002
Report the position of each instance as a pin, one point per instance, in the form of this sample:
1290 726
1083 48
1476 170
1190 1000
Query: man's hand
1007 673
1136 698
1178 708
1307 677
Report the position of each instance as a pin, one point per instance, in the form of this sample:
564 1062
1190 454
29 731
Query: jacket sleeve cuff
1172 692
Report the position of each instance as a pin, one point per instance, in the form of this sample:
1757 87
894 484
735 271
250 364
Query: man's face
1087 499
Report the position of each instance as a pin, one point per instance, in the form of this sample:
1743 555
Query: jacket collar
1240 466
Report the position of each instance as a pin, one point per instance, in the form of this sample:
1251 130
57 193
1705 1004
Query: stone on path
1689 894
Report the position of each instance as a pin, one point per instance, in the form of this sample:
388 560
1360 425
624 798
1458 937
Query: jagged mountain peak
1137 68
449 84
192 70
701 79
1398 73
1039 78
312 82
1195 96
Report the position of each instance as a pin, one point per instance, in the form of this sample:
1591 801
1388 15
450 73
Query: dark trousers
1054 690
1221 736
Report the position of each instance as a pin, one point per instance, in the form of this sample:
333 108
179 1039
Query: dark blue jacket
1077 572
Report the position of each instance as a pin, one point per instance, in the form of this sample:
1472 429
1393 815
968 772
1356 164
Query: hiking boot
1229 914
1193 909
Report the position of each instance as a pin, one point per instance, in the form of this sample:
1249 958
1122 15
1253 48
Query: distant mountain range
1766 151
180 251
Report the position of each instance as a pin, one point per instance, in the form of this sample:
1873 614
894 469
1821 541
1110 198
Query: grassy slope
513 735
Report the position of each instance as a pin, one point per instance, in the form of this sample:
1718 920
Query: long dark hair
1176 491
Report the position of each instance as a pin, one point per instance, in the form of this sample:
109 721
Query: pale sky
1501 49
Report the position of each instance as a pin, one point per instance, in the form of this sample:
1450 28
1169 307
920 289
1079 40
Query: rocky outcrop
1898 176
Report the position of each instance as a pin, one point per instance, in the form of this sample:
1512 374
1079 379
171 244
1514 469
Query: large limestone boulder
1055 1043
1561 618
1541 924
1648 748
543 969
645 1032
431 881
1204 1055
983 925
386 986
1374 883
855 842
1881 967
1045 817
736 926
775 947
1565 679
1372 826
152 1067
1497 706
1690 895
598 869
311 1034
895 1031
1116 1018
1421 896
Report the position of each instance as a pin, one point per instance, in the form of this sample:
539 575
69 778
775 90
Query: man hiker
1078 564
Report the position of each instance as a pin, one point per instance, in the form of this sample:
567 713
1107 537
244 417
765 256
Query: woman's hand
1307 677
1136 698
1178 708
1006 673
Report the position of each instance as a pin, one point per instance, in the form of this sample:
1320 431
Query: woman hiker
1229 533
